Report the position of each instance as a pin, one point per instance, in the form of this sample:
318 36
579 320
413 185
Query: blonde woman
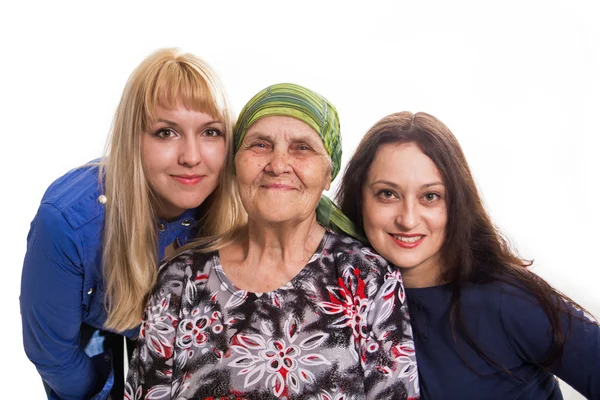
101 229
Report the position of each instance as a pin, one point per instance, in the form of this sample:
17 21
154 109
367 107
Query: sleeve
388 351
152 365
51 307
528 329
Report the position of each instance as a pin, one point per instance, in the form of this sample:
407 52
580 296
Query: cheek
315 173
154 157
373 215
213 155
437 219
248 167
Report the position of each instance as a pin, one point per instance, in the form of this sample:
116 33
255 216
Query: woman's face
183 153
282 168
404 208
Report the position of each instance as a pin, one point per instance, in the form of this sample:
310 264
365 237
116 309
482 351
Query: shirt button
102 199
186 222
90 291
161 227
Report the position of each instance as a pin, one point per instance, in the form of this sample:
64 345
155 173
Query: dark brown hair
474 251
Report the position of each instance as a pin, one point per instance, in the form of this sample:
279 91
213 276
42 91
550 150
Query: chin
183 206
276 216
403 262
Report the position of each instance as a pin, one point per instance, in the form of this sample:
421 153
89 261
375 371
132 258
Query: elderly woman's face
282 168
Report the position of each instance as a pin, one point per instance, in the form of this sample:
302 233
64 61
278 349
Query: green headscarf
290 100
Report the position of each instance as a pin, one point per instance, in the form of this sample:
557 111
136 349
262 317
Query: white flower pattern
281 363
338 331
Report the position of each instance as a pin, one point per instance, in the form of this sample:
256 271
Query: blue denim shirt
62 290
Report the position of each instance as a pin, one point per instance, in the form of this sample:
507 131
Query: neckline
189 214
441 286
294 283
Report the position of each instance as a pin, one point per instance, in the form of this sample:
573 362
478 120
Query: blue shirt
62 289
512 329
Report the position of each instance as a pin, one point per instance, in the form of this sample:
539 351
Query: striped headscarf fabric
291 100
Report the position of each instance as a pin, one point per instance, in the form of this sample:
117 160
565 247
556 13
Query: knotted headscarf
290 100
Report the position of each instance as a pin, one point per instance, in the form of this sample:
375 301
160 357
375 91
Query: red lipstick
407 244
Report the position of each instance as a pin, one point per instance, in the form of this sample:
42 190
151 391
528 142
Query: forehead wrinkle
289 135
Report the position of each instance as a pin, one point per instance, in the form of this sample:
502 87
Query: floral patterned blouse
338 330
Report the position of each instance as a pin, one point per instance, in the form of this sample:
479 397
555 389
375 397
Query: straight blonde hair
167 78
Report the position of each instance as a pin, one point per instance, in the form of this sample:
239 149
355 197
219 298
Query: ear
328 184
328 176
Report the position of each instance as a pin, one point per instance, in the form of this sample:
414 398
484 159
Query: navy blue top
511 328
62 289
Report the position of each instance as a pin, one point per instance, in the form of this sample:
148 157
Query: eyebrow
173 123
260 134
301 138
256 135
392 184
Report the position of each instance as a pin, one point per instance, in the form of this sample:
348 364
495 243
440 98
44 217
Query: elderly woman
282 308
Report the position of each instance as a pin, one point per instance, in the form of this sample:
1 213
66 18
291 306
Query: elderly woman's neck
268 256
283 242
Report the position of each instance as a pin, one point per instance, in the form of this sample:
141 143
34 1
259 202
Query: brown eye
431 197
385 194
165 133
303 147
259 145
212 132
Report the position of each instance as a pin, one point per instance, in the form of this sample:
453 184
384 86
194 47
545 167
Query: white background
516 81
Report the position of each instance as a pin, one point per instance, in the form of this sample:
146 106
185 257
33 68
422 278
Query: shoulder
506 305
362 270
521 309
75 196
70 215
510 299
498 298
518 315
188 263
347 250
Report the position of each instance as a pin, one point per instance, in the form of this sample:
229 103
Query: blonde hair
167 78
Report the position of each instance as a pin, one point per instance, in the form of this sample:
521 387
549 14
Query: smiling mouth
278 187
188 179
407 241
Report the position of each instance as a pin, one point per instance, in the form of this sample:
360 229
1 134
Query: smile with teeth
408 239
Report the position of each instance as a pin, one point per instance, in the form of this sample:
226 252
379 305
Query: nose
190 152
279 162
408 215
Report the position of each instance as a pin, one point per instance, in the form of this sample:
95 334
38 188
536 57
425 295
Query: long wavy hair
474 251
166 78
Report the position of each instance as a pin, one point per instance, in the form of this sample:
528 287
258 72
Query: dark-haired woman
484 325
